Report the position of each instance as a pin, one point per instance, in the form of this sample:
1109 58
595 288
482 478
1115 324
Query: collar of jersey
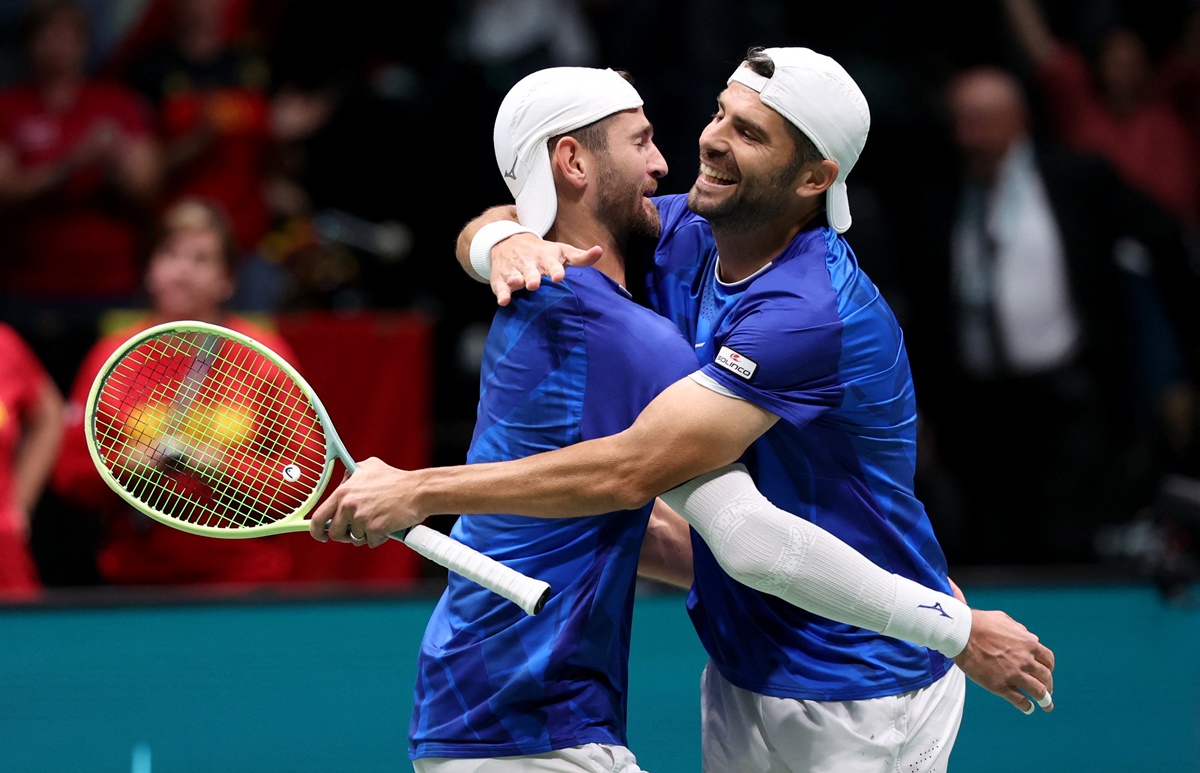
741 283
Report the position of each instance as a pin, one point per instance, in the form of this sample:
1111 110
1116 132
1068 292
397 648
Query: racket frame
526 592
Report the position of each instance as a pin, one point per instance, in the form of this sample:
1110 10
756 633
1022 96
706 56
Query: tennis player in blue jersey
498 687
495 685
804 379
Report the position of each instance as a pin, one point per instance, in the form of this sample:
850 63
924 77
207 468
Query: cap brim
537 203
837 207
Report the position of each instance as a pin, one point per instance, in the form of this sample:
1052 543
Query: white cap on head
820 98
542 105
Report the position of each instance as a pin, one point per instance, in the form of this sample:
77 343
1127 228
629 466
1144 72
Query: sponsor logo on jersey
735 363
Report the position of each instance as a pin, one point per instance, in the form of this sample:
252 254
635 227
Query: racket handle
527 593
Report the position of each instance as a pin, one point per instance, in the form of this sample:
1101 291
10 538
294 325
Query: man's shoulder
583 283
585 294
674 213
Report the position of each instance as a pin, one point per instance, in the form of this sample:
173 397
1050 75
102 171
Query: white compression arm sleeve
776 552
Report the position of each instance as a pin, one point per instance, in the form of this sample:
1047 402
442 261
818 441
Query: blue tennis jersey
567 363
810 339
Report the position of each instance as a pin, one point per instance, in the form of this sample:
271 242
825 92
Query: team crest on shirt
735 363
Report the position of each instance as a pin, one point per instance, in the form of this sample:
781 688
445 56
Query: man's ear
569 162
816 178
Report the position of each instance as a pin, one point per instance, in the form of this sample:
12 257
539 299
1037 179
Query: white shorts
744 732
589 758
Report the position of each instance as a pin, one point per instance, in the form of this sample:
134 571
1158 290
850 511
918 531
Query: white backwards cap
542 105
820 98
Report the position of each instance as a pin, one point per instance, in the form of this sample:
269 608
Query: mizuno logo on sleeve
936 607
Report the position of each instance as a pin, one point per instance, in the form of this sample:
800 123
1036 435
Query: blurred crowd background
343 145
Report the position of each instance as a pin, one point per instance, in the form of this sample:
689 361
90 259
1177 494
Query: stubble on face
621 205
757 200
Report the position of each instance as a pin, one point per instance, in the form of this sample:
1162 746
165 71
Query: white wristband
488 237
930 618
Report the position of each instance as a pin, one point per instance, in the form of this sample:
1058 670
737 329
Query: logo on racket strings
292 472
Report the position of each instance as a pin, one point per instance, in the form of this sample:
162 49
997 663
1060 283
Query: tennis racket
209 431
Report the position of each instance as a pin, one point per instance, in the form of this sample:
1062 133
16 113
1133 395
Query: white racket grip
527 593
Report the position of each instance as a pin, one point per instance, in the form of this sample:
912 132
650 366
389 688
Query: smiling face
750 165
188 276
631 167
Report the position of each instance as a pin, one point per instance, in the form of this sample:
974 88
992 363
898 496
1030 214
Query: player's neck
588 233
745 251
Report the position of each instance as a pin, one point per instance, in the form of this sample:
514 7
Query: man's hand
1003 657
521 260
373 502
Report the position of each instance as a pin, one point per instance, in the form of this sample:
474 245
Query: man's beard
623 208
754 204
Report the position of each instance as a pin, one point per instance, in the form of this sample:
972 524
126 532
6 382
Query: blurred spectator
1020 335
1112 103
1179 73
232 133
79 173
1121 98
213 115
190 275
31 410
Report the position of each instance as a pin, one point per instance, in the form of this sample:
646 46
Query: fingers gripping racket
208 431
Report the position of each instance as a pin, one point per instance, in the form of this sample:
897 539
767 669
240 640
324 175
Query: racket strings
208 431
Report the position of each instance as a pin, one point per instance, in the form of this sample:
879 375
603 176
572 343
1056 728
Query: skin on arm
685 432
39 447
1030 29
133 162
1004 657
667 548
18 185
462 245
521 260
997 647
137 169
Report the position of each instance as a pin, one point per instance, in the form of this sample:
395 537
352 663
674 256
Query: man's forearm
40 447
462 246
667 548
585 479
685 431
